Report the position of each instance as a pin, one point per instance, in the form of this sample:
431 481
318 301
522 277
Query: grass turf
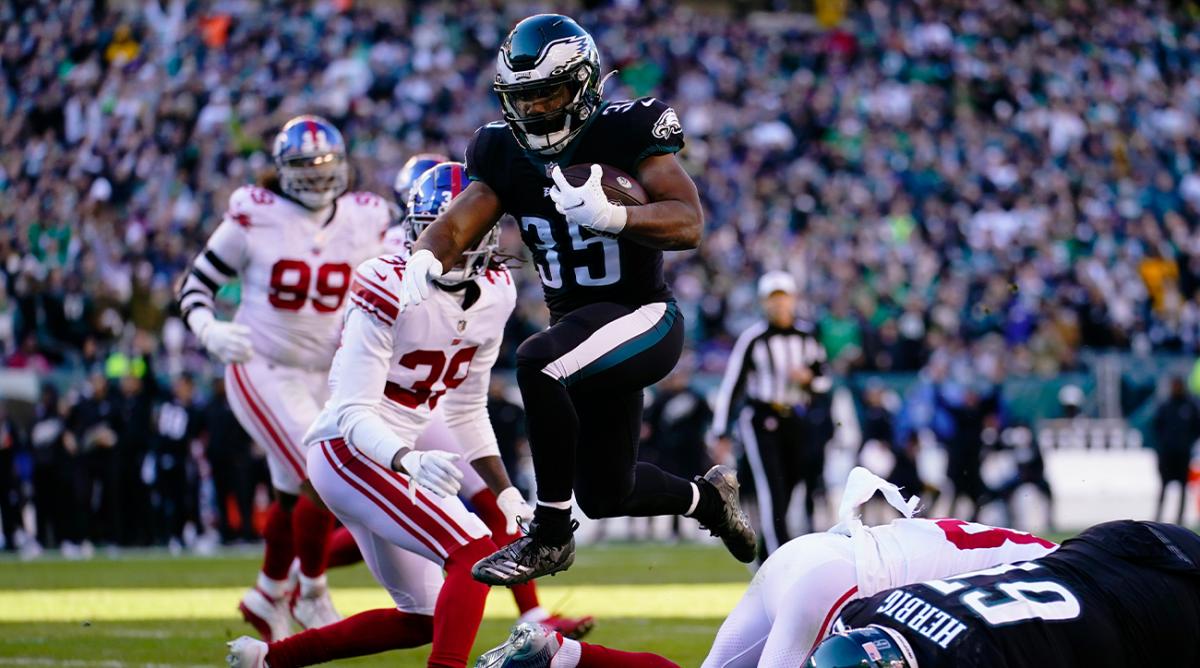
151 609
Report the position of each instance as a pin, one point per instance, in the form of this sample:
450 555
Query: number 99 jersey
577 266
295 267
1121 594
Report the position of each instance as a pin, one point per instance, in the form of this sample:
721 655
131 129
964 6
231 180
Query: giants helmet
413 169
869 647
429 197
310 155
548 81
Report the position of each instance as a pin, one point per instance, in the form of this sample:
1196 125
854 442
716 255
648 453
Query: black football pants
582 380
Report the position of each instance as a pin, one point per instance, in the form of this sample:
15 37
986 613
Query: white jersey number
550 268
1013 601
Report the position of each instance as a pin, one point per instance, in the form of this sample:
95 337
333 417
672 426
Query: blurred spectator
1176 428
1031 470
228 453
675 426
93 421
10 517
176 481
52 444
971 417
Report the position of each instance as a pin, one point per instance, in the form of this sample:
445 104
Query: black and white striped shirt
762 367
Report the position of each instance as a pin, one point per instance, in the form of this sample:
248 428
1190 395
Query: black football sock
710 506
552 525
553 429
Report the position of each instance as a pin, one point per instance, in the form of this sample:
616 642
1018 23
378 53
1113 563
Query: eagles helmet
869 647
408 174
548 81
311 157
429 197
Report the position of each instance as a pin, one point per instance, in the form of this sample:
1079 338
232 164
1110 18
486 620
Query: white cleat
268 616
246 652
315 610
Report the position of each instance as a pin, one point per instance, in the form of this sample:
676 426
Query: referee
778 369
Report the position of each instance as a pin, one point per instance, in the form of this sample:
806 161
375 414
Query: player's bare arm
468 218
673 219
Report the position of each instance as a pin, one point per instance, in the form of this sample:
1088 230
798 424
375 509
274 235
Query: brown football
620 187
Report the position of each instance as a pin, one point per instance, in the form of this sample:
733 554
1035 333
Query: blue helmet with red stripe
428 199
310 155
411 171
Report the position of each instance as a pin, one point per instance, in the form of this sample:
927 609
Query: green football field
156 610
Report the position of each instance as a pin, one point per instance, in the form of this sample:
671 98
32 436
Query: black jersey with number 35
1121 595
578 267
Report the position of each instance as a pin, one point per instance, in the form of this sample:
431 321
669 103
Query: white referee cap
776 281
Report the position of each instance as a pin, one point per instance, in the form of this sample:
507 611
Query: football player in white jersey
794 597
389 375
294 245
421 207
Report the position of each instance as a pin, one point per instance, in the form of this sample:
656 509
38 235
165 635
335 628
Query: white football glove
434 470
420 270
514 507
587 205
227 341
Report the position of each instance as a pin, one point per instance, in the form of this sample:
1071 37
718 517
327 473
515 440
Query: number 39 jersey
393 369
577 266
295 268
1121 594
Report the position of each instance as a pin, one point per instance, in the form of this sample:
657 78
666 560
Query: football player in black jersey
1122 594
615 328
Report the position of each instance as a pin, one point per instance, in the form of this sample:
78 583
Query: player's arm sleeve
465 407
362 369
220 262
660 132
733 382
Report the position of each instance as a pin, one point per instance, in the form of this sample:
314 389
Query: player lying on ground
1121 594
421 207
615 328
801 587
293 244
391 371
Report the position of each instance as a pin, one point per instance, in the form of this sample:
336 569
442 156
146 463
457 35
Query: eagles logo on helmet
548 81
428 199
310 155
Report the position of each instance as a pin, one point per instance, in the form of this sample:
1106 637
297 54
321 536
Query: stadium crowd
968 189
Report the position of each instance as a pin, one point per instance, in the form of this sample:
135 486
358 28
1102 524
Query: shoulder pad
246 200
376 286
371 206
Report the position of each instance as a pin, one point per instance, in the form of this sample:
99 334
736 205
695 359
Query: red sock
367 632
595 656
459 607
311 525
342 551
484 503
279 551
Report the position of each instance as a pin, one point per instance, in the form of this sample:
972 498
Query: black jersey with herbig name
1122 594
577 266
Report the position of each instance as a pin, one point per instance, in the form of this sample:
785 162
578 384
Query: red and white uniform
296 267
390 373
794 597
